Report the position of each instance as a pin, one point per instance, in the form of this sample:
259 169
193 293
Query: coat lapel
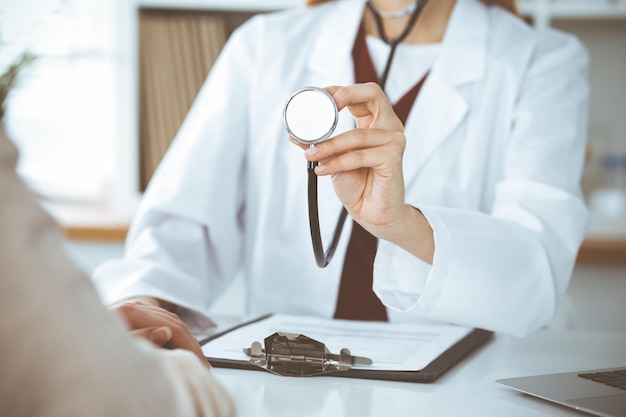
330 60
440 106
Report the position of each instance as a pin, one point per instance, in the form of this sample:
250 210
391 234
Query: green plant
9 78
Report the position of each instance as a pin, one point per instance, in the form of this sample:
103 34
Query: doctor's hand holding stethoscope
365 165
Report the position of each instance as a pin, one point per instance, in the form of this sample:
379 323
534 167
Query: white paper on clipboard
391 346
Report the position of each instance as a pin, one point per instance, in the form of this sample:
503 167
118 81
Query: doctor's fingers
368 104
141 316
358 148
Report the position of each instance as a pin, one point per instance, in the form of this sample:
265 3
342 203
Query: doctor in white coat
482 214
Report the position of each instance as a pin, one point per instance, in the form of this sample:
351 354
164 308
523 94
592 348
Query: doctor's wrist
413 233
157 302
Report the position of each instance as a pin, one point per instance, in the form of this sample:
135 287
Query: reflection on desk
466 390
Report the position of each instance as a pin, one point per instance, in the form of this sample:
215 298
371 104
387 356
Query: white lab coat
494 155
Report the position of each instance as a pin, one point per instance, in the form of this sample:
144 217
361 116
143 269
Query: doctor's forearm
414 234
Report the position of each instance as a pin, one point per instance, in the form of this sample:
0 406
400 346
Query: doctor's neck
429 28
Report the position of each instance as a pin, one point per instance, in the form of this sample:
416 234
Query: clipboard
454 354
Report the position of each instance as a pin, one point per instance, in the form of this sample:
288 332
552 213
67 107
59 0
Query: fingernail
161 334
320 169
312 150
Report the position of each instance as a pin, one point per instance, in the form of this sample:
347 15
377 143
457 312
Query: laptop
601 392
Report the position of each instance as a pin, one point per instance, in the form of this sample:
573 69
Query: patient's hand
158 325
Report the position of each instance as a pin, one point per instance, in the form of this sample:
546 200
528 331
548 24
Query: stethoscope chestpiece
310 115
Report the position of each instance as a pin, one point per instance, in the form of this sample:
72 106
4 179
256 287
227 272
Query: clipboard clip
294 354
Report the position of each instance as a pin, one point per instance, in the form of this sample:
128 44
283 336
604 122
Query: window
79 113
62 115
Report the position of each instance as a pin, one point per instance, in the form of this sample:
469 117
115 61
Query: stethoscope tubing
322 259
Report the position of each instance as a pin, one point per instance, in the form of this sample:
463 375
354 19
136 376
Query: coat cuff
401 278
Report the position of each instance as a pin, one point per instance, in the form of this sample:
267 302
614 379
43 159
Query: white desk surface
468 389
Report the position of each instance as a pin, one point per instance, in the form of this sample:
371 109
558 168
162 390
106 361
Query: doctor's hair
510 5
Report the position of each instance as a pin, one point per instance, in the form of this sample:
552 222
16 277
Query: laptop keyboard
615 378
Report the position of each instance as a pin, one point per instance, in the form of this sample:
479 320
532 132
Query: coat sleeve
190 204
507 270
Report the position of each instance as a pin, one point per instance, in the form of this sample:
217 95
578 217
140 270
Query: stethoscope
310 116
